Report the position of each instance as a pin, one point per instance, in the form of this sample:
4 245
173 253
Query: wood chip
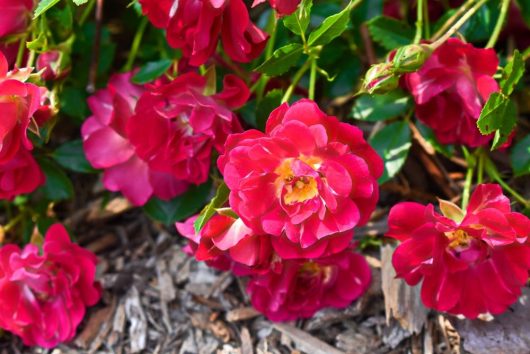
306 342
508 333
137 319
241 314
246 341
402 301
94 325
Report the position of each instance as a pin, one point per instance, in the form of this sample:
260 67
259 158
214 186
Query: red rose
107 146
471 262
176 126
44 294
282 7
18 102
309 177
451 88
14 16
299 288
194 27
50 62
20 175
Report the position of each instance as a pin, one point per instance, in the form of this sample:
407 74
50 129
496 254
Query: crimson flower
18 103
107 145
20 175
14 16
451 88
194 27
45 294
299 288
308 177
282 7
471 262
176 126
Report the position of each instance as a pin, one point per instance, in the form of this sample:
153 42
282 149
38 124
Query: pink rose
194 27
14 16
299 288
107 145
50 62
176 126
44 294
451 88
308 177
18 102
471 262
20 175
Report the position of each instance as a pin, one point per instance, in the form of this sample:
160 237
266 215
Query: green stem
452 19
426 20
419 20
21 49
312 78
87 11
499 24
458 24
480 169
135 44
297 77
495 175
469 178
261 84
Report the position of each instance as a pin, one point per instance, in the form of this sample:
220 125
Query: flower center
298 188
458 239
313 270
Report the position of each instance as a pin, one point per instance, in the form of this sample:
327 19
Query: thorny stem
499 24
452 19
419 20
458 24
312 78
494 175
299 74
135 44
469 177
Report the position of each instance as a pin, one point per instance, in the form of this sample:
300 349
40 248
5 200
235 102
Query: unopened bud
411 57
380 78
54 65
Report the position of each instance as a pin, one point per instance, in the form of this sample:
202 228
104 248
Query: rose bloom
471 262
307 177
14 16
176 126
224 241
194 27
282 7
18 102
299 288
20 175
107 146
44 294
451 88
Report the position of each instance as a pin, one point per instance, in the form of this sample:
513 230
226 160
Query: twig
93 71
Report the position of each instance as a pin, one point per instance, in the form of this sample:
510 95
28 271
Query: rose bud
411 57
54 65
380 78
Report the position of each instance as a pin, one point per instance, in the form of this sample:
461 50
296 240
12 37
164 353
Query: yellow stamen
458 239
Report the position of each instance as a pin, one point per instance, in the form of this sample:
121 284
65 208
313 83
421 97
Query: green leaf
73 103
72 157
390 33
270 102
43 6
392 143
39 44
520 157
281 60
221 196
151 71
498 115
331 28
181 207
80 2
58 186
298 21
513 72
375 108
